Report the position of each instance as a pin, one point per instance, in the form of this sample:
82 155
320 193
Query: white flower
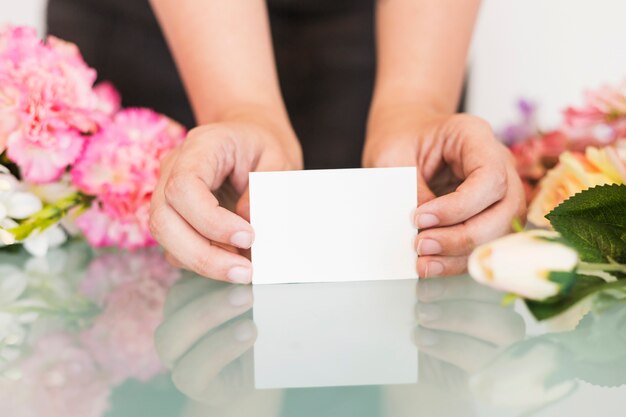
524 263
15 204
38 243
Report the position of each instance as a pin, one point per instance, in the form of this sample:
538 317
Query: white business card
333 225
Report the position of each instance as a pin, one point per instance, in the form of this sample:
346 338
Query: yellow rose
574 173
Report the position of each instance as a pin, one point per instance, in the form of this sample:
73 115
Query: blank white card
333 225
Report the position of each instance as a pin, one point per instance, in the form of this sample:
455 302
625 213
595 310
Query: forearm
224 55
422 50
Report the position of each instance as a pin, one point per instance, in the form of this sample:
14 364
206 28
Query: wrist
415 93
269 125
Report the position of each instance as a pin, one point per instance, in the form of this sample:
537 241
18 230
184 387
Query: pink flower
121 222
109 99
601 121
58 378
120 166
132 289
47 103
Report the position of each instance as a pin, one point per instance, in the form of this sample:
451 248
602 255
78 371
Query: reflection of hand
480 209
205 340
461 323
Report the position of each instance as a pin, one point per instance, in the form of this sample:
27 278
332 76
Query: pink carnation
113 269
120 166
121 222
47 103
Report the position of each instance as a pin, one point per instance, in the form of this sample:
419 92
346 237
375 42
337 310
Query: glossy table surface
123 334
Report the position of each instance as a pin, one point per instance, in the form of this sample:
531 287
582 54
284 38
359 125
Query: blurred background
545 51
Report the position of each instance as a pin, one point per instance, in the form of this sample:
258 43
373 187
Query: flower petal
21 205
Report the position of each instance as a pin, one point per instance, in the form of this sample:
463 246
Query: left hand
460 147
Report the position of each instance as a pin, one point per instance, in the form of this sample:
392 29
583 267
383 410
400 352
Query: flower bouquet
575 181
71 159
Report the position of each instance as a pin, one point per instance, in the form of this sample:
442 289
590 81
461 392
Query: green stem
608 267
50 214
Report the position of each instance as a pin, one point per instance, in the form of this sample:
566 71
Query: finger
441 266
198 369
173 261
462 239
484 321
464 352
234 381
187 289
194 251
481 161
182 330
456 288
190 196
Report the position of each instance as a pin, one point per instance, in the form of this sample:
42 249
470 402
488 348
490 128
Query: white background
545 50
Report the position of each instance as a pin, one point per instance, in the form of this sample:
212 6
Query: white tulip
521 263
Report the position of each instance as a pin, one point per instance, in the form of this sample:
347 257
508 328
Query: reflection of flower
132 289
517 379
541 370
574 173
57 379
522 264
121 339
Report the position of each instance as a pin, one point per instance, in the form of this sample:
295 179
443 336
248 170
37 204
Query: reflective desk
123 334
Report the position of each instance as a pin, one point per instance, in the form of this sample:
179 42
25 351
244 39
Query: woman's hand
486 197
186 217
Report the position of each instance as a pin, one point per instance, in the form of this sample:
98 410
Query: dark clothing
324 54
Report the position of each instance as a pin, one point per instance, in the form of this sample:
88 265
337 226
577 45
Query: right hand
185 215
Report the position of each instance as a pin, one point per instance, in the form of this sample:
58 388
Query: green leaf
594 223
583 286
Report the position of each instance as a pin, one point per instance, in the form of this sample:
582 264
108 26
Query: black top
324 54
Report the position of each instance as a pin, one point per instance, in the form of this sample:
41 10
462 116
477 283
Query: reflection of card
334 334
333 225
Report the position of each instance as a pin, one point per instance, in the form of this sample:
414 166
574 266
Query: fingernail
434 269
431 289
240 296
242 240
426 337
244 331
428 247
428 312
240 275
426 220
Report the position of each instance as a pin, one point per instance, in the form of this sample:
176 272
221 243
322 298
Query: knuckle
175 186
202 265
472 121
156 221
467 243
